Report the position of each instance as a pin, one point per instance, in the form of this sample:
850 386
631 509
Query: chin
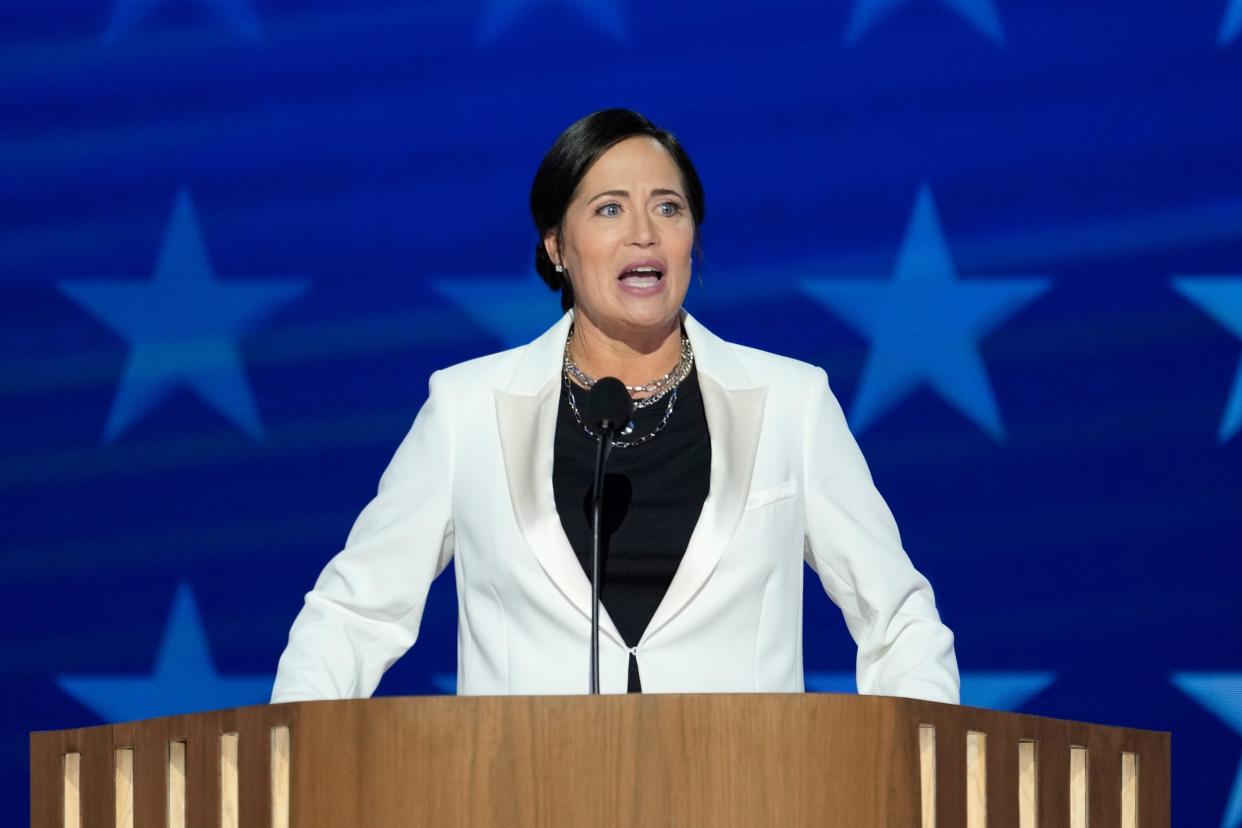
649 318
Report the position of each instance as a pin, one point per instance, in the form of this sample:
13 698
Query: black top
653 494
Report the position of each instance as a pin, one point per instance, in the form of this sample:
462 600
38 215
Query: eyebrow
626 194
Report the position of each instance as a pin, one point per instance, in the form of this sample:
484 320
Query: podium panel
636 760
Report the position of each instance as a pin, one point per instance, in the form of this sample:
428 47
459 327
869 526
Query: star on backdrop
1231 24
603 14
512 310
924 324
981 14
994 690
182 327
183 679
1221 299
239 14
1221 694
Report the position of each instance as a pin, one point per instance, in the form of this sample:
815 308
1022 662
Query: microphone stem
602 450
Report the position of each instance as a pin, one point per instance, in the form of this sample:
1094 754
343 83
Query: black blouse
653 494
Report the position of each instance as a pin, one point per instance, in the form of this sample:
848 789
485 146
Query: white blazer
472 484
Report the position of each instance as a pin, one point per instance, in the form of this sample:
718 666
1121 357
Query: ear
552 244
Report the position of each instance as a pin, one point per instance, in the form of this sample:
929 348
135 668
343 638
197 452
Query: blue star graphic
1220 693
924 324
239 14
1220 299
980 14
500 14
183 680
514 311
182 328
995 690
1232 22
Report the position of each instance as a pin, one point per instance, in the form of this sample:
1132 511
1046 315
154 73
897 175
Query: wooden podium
650 760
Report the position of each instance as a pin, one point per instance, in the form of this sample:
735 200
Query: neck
634 357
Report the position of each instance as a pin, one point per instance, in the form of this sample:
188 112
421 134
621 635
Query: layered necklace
663 388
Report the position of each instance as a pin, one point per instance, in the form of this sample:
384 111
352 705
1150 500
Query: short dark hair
567 162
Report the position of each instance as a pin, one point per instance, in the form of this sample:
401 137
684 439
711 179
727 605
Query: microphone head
608 406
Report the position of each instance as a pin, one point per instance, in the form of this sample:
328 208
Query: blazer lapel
734 419
526 418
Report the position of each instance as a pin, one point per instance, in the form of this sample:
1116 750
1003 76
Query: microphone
608 408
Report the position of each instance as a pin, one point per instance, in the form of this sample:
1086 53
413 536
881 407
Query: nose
643 231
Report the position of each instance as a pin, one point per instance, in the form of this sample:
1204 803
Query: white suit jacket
472 484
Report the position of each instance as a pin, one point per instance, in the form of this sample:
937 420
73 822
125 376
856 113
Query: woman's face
627 238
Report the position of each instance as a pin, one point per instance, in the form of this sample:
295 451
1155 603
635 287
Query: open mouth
642 275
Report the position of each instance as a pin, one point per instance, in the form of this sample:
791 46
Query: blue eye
669 208
610 210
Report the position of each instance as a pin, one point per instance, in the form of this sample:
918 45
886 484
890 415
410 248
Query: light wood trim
123 780
1078 787
73 790
1028 783
176 785
927 773
976 779
1129 790
229 801
280 777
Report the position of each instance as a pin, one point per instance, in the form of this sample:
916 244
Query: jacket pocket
771 494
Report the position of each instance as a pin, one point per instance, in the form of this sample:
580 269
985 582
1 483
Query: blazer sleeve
853 545
365 608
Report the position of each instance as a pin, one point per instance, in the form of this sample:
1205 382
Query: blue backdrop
237 235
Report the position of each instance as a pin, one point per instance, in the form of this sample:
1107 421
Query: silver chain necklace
629 427
658 389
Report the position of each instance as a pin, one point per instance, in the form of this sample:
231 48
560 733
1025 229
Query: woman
736 467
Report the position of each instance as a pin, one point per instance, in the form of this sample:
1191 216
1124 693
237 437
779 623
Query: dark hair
567 162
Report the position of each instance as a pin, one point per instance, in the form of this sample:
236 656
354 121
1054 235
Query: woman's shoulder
766 367
482 369
523 369
743 365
